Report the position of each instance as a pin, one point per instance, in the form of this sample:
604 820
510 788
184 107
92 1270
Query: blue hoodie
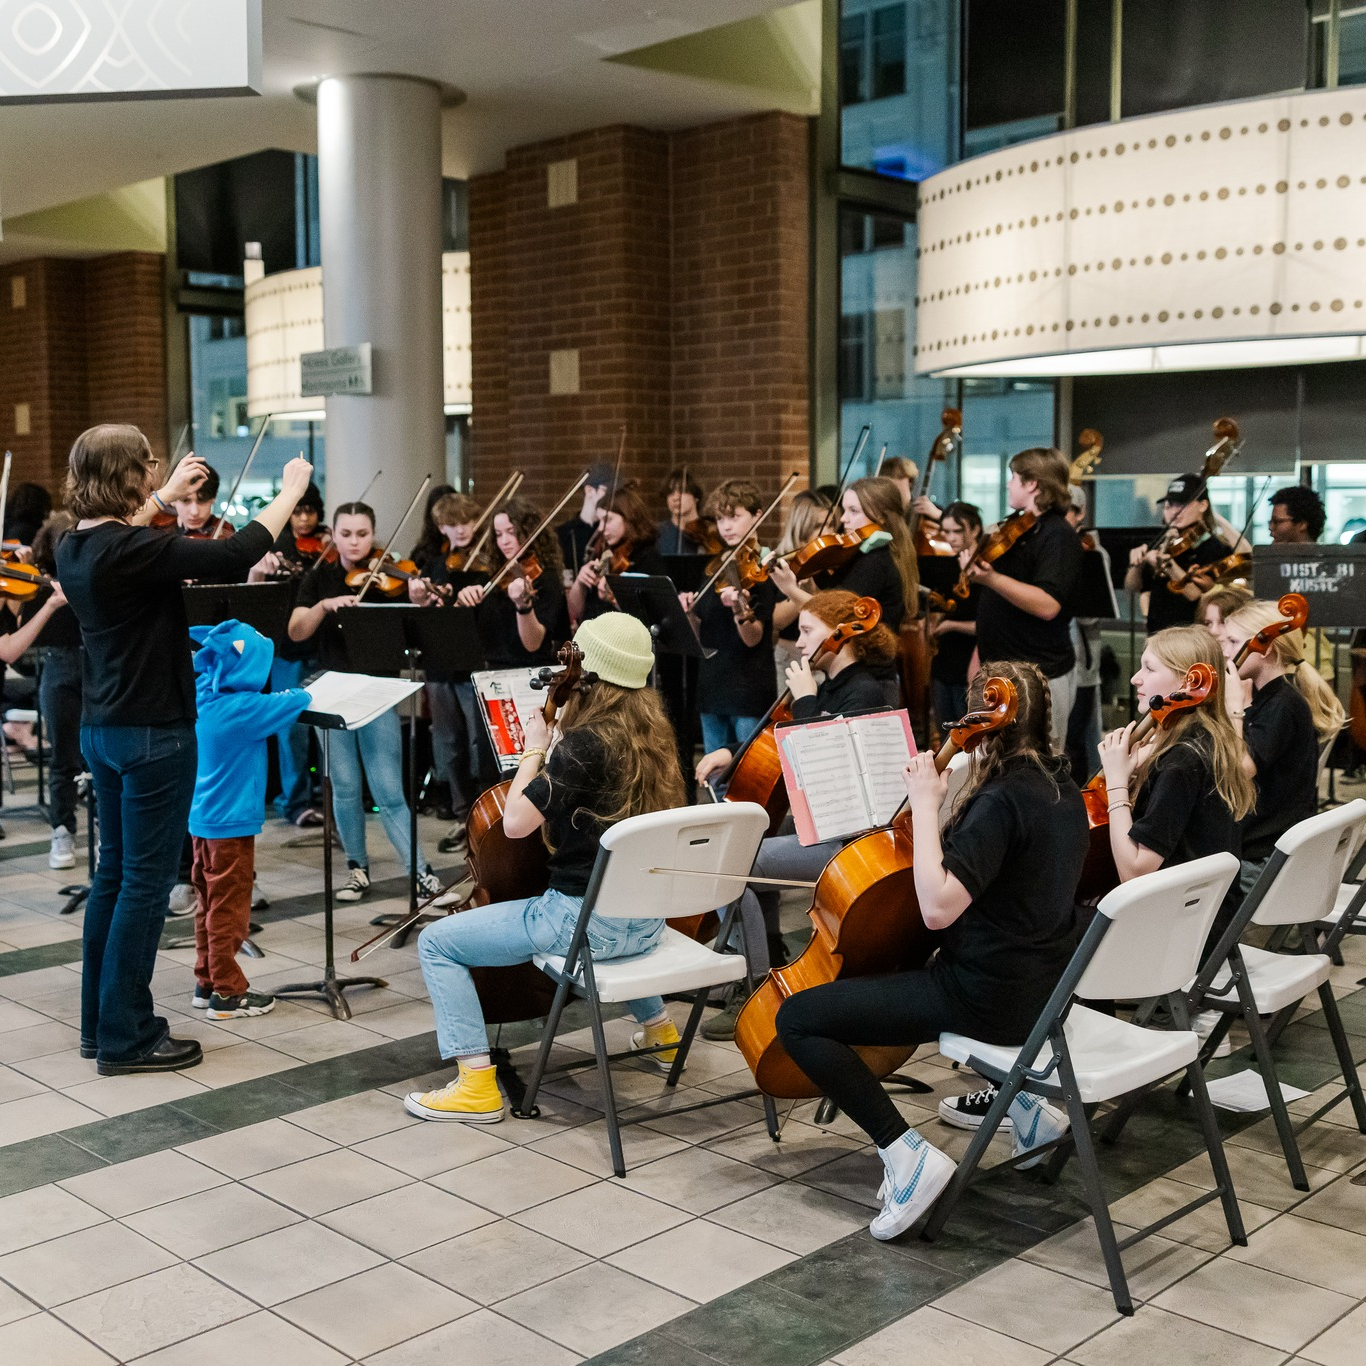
232 665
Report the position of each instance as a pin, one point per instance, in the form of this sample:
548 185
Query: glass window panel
889 51
1352 49
853 55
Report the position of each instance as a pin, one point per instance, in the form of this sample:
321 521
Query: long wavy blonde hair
638 740
1206 726
880 500
1288 649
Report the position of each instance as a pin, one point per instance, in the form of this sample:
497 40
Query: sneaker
259 900
356 887
62 853
917 1173
456 895
1044 1124
182 900
472 1098
240 1007
202 995
968 1112
455 840
308 818
1203 1024
428 885
653 1035
721 1027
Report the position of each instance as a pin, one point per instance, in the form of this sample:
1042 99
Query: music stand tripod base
330 987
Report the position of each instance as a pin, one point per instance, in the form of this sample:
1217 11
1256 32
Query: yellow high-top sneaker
653 1035
472 1098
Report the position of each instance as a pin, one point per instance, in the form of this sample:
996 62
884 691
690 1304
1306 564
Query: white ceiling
531 69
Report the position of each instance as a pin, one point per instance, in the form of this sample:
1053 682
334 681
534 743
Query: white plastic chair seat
676 963
1346 892
1111 1057
21 715
1279 979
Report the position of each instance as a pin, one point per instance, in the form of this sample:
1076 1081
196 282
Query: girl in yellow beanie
613 755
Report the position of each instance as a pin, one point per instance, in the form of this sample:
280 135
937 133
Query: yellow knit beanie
617 648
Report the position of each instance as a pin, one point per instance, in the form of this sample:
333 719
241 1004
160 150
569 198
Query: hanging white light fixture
1227 235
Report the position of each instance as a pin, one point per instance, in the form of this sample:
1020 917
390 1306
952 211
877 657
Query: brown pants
222 878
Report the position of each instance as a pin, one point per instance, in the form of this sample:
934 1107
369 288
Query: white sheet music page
884 750
828 769
356 698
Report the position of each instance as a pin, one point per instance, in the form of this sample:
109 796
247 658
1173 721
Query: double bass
867 920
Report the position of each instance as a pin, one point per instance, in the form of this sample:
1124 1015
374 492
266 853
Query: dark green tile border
40 956
826 1302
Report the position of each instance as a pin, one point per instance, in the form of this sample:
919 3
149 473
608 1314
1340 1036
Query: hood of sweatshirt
232 657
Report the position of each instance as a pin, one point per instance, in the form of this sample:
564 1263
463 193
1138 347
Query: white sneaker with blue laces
916 1174
1037 1123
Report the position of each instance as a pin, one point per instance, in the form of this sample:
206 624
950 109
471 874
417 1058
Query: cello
928 542
867 920
755 774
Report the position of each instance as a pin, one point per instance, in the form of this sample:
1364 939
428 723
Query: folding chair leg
1218 1159
1099 1202
699 1004
958 1183
1279 1024
552 1024
1284 1129
1344 1052
605 1072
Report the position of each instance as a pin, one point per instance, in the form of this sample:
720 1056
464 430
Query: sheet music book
505 696
342 701
843 774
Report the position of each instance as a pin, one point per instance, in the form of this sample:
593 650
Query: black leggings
819 1027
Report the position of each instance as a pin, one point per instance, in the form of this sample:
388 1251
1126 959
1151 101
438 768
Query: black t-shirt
671 539
323 581
1280 736
1180 815
739 679
953 650
124 585
498 625
573 537
855 688
1018 846
1048 556
567 792
62 632
1166 608
873 575
294 651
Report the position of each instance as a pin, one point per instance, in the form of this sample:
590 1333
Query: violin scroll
1000 703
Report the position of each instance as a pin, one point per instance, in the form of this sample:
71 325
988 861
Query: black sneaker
428 885
455 840
968 1112
170 1055
355 888
239 1007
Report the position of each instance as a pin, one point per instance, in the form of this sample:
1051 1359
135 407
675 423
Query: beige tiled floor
349 1231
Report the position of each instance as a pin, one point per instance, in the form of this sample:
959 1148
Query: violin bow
4 491
373 479
531 540
385 554
678 516
241 475
735 549
844 478
509 490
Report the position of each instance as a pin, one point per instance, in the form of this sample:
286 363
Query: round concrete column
379 199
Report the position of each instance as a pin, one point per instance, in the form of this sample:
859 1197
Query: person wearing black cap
1185 504
575 534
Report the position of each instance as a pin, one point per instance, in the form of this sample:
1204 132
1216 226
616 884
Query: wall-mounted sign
1332 578
61 50
339 370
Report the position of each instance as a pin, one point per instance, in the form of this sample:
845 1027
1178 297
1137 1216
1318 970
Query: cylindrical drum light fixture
1227 235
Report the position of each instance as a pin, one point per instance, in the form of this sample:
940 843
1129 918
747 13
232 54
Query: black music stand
686 571
331 987
266 606
938 574
653 600
392 638
1094 594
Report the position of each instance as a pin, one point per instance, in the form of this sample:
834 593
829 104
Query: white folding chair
670 864
1298 887
1146 940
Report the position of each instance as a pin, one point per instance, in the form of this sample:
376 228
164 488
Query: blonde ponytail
1288 650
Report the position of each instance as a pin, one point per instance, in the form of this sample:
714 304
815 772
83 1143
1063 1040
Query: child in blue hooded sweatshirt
235 718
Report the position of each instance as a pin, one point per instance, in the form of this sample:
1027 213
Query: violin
867 920
20 582
741 567
702 531
755 773
531 570
1227 444
465 561
209 531
1205 576
1294 610
1099 875
989 549
930 541
390 578
825 553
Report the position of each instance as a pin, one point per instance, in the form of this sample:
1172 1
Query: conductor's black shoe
170 1055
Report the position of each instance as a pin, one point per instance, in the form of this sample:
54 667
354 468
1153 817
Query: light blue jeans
511 932
379 746
726 732
296 781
